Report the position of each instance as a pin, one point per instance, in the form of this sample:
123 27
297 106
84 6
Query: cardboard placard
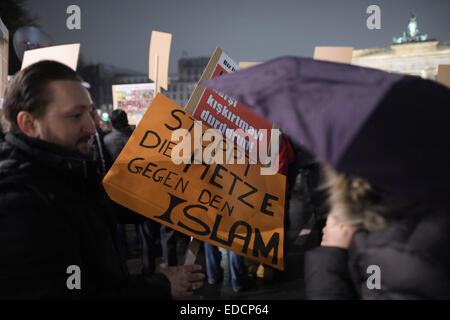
244 64
158 61
334 54
221 112
4 51
229 205
66 54
134 99
443 74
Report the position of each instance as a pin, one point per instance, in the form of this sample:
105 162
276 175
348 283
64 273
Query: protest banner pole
192 251
156 75
158 59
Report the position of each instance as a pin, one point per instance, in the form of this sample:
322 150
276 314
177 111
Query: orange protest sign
228 205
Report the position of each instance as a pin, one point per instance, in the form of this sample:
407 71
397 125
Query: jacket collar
52 155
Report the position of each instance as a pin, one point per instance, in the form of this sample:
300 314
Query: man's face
67 121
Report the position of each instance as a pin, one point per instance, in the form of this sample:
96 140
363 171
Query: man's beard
50 137
85 140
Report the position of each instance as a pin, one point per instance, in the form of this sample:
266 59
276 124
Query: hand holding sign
183 279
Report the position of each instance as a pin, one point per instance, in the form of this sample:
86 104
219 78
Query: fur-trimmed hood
354 201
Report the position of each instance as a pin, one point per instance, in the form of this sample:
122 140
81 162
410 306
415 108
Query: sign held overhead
66 54
246 64
334 54
224 113
443 74
158 61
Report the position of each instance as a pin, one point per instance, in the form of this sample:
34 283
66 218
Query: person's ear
27 124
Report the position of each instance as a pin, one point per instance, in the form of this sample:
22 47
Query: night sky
118 32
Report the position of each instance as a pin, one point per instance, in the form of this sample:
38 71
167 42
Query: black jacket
54 213
412 252
116 140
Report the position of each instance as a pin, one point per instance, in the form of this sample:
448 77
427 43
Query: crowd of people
54 214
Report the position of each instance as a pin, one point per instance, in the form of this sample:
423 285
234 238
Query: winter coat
55 214
116 140
410 257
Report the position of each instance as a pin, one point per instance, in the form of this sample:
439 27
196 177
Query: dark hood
391 129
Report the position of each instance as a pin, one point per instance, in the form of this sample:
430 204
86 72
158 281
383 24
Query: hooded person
375 247
390 129
121 132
